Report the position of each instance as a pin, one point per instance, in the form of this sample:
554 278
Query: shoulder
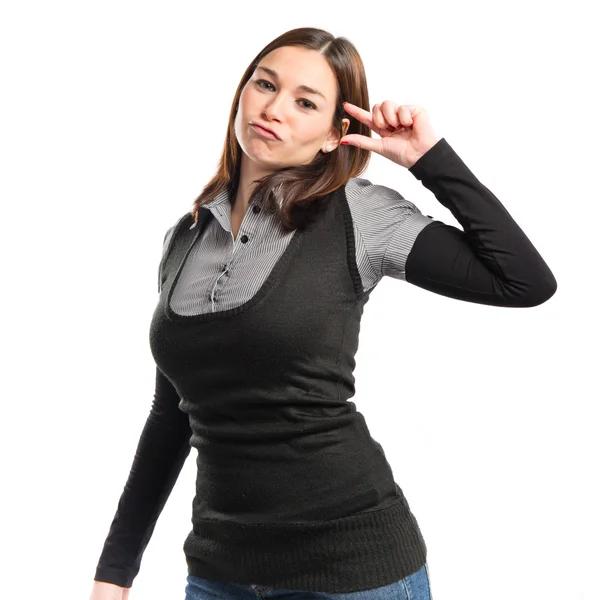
185 220
371 202
386 224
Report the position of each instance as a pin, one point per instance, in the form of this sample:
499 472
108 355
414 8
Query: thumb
362 141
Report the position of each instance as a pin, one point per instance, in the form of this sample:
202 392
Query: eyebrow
300 87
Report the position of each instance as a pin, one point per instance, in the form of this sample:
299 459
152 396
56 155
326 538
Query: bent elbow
540 291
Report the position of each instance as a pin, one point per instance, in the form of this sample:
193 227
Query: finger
364 142
390 114
364 116
405 116
378 119
409 112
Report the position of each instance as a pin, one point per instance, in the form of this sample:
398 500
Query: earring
329 148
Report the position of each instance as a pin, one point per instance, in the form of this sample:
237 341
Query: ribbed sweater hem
359 552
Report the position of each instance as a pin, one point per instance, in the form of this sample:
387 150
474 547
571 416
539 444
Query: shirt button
256 209
244 239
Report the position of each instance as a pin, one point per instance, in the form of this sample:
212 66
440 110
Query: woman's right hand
108 591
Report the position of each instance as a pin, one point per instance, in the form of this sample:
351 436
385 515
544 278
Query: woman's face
300 118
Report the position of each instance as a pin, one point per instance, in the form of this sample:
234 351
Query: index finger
364 116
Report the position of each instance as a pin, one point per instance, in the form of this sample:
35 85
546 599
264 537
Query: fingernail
344 143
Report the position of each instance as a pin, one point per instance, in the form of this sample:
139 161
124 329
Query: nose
269 115
273 109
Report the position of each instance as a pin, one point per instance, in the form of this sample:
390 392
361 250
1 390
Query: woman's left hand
406 131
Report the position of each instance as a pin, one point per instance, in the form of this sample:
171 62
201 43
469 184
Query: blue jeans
413 587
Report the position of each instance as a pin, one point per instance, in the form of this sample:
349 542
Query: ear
334 137
345 125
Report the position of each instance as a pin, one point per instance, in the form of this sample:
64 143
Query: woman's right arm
161 453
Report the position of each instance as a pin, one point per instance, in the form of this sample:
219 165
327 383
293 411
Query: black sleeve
161 453
492 261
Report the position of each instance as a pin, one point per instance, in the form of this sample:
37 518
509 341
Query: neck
248 173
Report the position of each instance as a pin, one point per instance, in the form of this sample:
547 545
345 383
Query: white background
113 119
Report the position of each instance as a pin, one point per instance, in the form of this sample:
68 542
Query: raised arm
492 261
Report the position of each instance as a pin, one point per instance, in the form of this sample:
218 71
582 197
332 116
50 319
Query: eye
311 105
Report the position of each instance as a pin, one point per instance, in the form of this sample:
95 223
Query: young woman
262 287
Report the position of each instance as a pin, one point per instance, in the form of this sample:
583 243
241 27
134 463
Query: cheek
243 102
244 112
308 132
249 97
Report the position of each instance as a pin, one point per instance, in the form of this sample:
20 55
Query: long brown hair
301 186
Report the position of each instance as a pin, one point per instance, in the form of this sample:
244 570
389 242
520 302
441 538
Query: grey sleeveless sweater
291 489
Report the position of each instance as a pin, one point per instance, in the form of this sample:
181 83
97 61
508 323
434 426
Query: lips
266 129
